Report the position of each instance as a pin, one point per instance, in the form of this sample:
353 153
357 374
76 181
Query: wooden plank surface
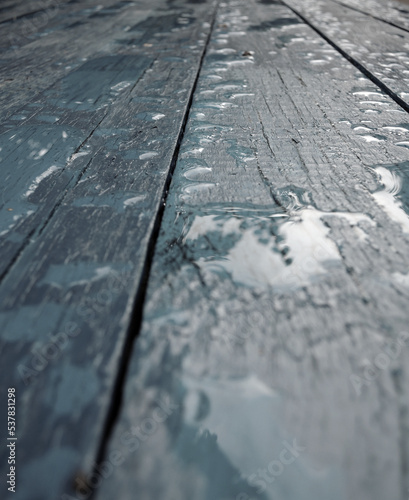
56 14
378 48
89 190
60 52
13 9
390 11
273 356
46 132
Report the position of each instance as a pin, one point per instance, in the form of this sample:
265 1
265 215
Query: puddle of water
212 403
263 247
246 259
393 195
241 154
232 430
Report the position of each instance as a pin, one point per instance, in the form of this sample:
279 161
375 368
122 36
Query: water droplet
147 155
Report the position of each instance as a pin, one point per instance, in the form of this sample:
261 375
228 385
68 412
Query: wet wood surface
382 57
87 162
205 239
278 282
395 13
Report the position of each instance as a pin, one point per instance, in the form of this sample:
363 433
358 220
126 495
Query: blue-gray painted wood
390 11
384 57
47 16
276 306
44 155
61 45
88 188
10 9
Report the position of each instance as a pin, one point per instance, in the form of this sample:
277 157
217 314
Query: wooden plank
71 290
60 52
26 11
393 12
39 23
10 9
276 307
377 47
40 143
42 137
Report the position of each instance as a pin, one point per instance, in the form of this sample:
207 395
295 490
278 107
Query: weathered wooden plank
58 15
10 9
67 301
378 47
391 11
276 307
19 30
48 135
60 52
39 141
26 11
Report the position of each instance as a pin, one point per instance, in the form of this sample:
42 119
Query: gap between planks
365 13
139 302
351 59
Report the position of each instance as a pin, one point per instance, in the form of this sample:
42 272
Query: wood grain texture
10 10
380 48
276 307
390 11
45 153
54 15
46 132
94 179
60 51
